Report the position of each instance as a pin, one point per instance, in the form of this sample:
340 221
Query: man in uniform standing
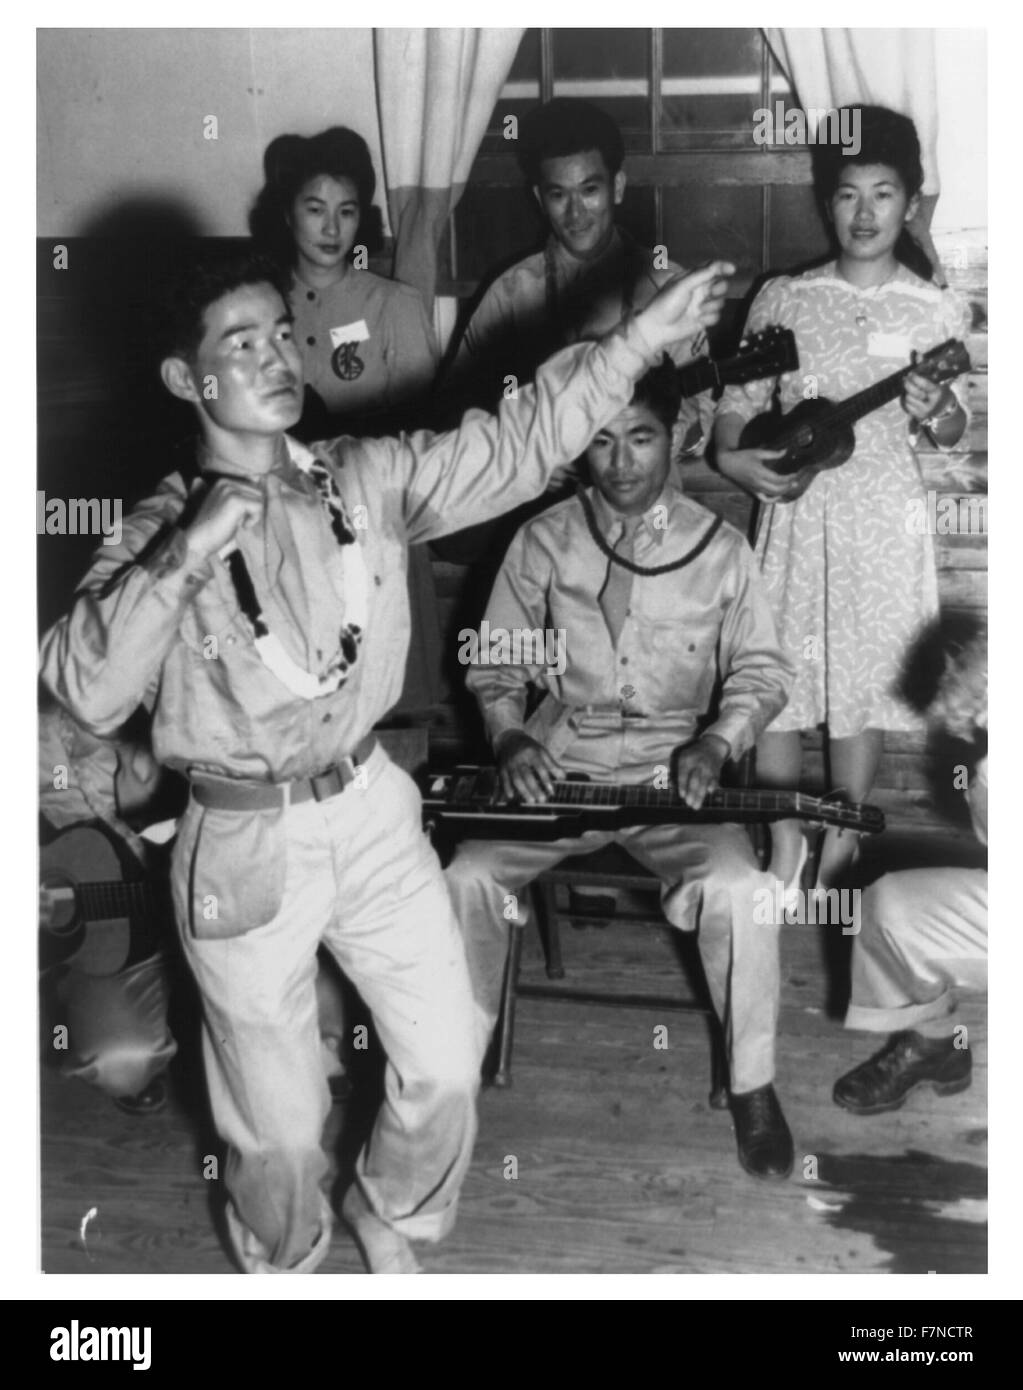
262 613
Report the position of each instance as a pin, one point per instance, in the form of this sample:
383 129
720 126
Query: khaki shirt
697 652
143 628
393 365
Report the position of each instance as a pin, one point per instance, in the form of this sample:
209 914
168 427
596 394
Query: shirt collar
570 266
286 470
612 521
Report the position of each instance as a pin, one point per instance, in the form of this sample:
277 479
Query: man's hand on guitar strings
698 768
526 771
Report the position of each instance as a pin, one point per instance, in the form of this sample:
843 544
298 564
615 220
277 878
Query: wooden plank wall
904 786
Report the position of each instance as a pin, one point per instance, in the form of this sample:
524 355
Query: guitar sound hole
58 907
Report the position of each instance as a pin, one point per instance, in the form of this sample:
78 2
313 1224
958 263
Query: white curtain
436 90
876 67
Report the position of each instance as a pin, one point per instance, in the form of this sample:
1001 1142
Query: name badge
889 345
351 333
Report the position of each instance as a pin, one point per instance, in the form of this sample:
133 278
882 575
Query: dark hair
886 137
568 126
199 284
289 163
944 672
660 390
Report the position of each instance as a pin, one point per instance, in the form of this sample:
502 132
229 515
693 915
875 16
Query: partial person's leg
779 761
394 934
117 1027
711 879
486 880
854 765
261 1044
923 932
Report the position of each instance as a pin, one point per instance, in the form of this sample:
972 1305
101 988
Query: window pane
611 68
797 231
702 222
710 86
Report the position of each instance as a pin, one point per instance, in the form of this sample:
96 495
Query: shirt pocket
213 623
229 871
682 662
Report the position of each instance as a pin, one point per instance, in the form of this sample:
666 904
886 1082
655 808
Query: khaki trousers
711 875
923 933
362 880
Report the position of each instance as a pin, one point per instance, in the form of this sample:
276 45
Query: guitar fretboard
99 901
770 803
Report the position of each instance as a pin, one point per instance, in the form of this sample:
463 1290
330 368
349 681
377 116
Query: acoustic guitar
468 801
818 434
95 902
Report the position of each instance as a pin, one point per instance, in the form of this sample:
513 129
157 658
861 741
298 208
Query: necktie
614 596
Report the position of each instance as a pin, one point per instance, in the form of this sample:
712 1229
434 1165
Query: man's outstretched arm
490 464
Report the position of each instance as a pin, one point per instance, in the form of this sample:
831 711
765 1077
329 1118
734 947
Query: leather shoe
906 1061
149 1101
763 1137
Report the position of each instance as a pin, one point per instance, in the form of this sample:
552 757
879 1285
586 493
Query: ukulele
818 434
770 352
468 800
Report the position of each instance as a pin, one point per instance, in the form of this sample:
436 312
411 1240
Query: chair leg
545 905
506 1028
718 1097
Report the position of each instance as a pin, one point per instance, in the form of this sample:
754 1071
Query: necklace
652 572
271 651
866 294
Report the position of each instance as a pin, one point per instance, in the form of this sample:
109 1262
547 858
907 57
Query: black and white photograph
512 620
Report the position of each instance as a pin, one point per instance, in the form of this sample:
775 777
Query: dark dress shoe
763 1137
148 1101
906 1061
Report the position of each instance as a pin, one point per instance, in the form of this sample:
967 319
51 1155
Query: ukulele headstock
770 352
944 363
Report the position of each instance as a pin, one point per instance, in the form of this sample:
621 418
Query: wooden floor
622 1166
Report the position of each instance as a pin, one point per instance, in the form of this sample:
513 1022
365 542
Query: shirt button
327 718
625 661
309 294
377 580
230 641
311 341
692 646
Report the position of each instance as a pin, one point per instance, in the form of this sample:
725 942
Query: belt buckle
327 784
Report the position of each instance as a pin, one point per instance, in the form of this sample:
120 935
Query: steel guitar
466 802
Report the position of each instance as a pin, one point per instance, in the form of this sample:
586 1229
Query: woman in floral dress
849 568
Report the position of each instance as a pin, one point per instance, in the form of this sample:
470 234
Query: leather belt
225 794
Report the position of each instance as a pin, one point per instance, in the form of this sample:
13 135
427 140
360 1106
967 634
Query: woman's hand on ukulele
922 398
749 468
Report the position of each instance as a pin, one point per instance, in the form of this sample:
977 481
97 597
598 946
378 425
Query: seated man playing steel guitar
671 669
